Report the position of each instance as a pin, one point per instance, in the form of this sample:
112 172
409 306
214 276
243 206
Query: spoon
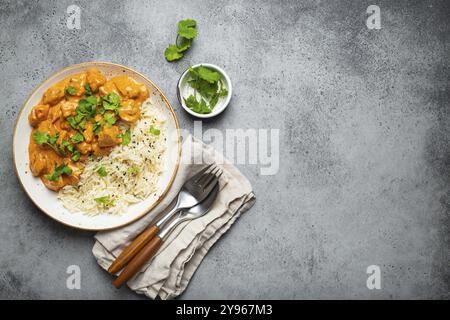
149 250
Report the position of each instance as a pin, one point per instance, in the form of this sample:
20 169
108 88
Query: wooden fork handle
133 248
147 252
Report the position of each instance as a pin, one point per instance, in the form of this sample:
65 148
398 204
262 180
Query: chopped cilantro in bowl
204 90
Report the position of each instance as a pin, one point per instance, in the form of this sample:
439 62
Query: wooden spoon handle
133 248
138 261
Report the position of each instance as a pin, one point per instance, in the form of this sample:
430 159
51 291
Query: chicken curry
83 115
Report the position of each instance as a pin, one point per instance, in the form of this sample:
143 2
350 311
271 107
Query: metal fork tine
198 175
211 178
211 184
205 176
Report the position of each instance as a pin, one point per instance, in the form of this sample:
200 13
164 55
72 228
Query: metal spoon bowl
193 213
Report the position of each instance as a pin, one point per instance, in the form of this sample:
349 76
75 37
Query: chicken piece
68 108
64 125
38 163
129 111
47 126
54 113
127 86
108 136
73 178
54 185
84 147
78 82
63 135
88 132
107 88
143 94
97 151
54 94
95 79
38 114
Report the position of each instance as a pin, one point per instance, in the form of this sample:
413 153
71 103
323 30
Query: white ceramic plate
47 200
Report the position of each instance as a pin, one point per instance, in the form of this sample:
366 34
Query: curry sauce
83 115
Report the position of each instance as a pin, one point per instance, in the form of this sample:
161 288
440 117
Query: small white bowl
184 90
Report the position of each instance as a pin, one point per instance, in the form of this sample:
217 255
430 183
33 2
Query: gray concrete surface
364 142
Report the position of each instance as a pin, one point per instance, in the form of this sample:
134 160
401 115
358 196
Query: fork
155 243
193 191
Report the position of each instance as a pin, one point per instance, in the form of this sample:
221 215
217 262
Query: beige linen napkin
168 273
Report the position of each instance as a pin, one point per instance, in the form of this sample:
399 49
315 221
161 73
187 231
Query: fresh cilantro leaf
58 172
52 139
77 138
187 28
126 137
207 74
70 148
154 131
196 106
76 155
207 90
105 200
183 44
71 90
82 125
102 171
40 137
186 33
65 145
79 118
133 170
72 122
223 91
87 107
111 102
88 90
47 139
109 119
172 53
101 110
96 128
213 101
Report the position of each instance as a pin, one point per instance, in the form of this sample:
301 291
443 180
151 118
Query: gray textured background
364 140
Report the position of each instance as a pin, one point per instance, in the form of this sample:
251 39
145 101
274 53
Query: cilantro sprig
58 172
208 84
154 131
111 102
71 90
102 171
87 90
187 31
133 170
106 201
126 137
44 138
